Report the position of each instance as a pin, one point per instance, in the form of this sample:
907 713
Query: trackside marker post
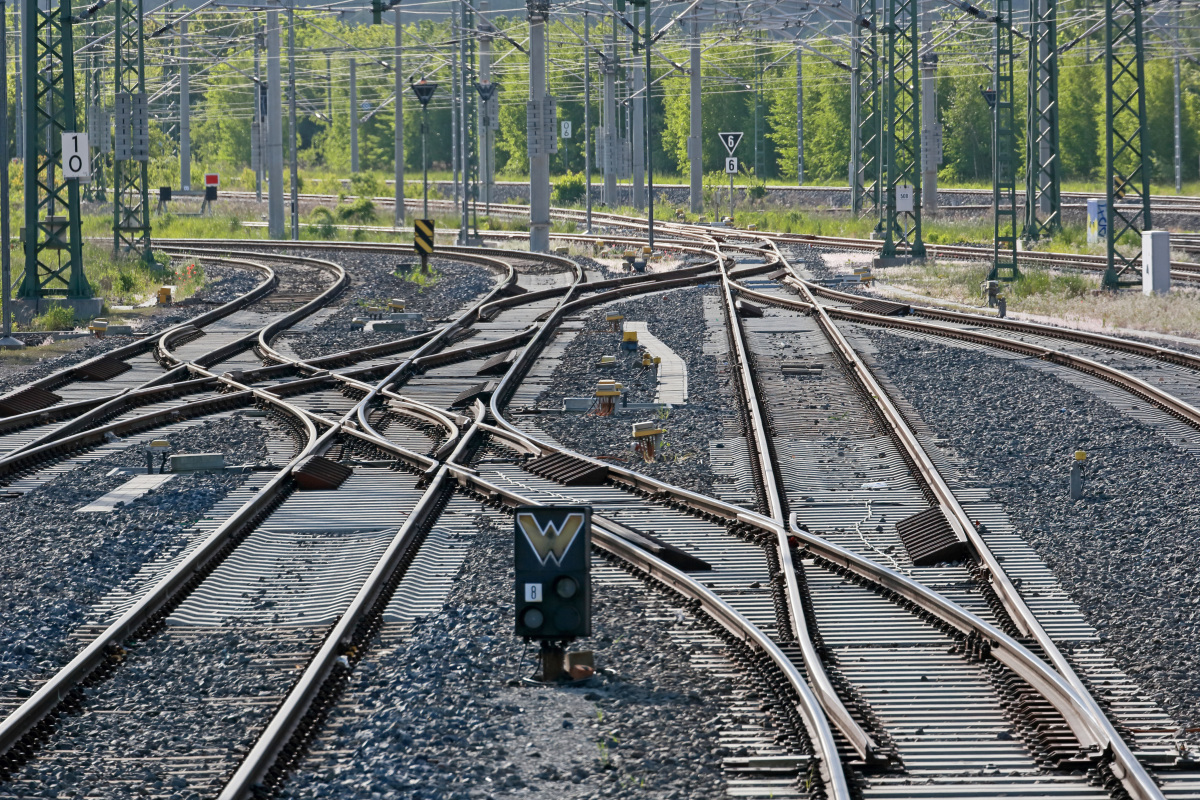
731 139
423 241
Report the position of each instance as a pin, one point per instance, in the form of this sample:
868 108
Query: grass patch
126 279
57 318
1072 297
413 275
27 357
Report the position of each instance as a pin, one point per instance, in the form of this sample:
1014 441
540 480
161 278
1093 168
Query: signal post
552 553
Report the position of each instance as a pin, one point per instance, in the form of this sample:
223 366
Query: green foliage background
749 85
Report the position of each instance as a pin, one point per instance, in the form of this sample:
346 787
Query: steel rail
1039 675
284 724
764 452
462 320
18 724
87 412
268 332
1185 271
1166 200
1078 708
121 401
1053 686
1165 354
1181 270
1127 768
192 568
810 708
59 377
1137 387
429 344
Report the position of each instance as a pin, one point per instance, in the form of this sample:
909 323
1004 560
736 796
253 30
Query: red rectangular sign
212 179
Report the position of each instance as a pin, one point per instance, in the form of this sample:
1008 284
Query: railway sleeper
1040 725
778 701
1042 728
74 699
361 640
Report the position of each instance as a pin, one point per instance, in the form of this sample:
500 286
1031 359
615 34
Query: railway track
197 608
1181 271
421 432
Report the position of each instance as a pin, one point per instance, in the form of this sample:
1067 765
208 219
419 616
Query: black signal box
553 571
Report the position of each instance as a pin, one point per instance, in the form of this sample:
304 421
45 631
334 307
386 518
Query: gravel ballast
183 707
59 563
453 284
443 713
677 319
225 283
1126 552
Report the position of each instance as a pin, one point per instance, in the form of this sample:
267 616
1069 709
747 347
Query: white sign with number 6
77 160
566 129
731 166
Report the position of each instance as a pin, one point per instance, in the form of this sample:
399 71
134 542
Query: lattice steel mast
53 242
1043 201
1004 144
865 151
131 140
1126 154
902 149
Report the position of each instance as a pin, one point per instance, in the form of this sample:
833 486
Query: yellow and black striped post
423 240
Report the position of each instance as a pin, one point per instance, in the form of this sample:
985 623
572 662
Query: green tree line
749 84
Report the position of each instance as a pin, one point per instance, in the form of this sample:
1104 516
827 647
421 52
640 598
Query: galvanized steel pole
185 116
8 342
353 115
695 149
609 119
275 224
929 176
256 126
539 156
587 116
487 120
398 213
649 136
19 117
454 111
464 92
295 176
638 94
799 116
1178 133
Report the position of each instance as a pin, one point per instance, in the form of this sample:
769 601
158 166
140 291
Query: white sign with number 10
77 160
